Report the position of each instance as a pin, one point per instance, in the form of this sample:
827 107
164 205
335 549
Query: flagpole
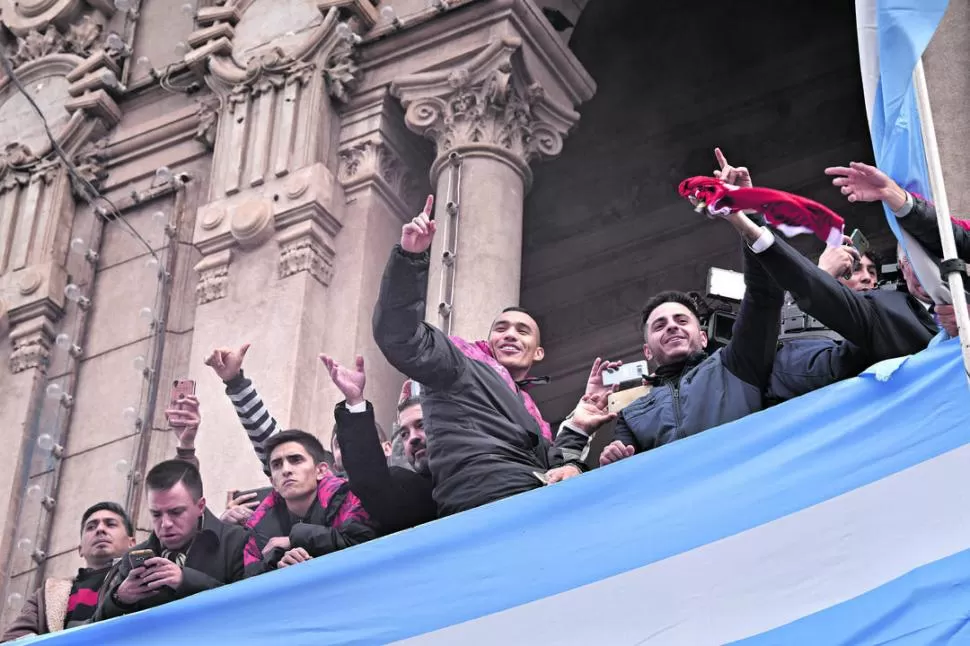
935 169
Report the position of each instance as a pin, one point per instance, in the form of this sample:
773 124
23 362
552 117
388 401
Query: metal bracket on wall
449 253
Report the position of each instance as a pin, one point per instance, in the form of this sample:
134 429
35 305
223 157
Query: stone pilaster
268 230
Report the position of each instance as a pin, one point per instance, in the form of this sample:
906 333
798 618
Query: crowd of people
469 431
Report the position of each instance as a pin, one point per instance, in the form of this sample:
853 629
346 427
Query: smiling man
486 439
311 512
106 534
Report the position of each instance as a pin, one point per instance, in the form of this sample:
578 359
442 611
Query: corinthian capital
489 107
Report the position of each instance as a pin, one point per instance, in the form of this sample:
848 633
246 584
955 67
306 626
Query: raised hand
614 452
227 363
417 234
839 261
734 175
864 183
349 382
591 413
185 420
594 385
240 509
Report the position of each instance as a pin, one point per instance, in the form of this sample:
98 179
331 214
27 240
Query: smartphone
181 388
541 477
137 558
627 373
860 242
260 492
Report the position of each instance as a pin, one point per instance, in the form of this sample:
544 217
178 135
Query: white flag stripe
759 579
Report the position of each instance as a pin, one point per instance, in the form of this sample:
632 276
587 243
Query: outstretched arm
249 406
420 351
864 183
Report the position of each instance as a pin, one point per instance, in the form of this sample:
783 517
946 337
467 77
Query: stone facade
257 159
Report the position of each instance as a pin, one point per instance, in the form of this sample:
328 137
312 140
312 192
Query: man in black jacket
486 438
864 183
192 550
395 497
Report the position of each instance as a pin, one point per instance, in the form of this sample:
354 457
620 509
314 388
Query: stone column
946 60
497 119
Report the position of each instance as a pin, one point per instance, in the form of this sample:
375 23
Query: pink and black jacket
335 521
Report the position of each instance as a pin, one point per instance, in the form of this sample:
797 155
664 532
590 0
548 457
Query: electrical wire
90 194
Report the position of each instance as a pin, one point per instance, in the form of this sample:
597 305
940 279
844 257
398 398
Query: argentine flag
893 34
840 517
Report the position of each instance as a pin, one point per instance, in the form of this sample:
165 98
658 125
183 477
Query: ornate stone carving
82 35
490 105
91 162
267 72
370 159
80 39
31 345
489 111
19 166
306 254
208 115
341 71
213 273
37 44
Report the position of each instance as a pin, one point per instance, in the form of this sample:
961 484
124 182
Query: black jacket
395 497
214 559
884 324
707 391
483 445
920 223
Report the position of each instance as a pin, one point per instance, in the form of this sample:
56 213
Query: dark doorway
775 84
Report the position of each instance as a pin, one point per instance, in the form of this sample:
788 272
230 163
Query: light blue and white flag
893 34
837 518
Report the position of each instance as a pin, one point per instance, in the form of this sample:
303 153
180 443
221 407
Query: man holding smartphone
189 549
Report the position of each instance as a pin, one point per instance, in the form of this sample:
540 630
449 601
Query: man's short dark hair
304 439
169 473
115 509
670 296
408 403
876 260
522 310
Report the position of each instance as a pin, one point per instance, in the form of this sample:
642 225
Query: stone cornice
465 33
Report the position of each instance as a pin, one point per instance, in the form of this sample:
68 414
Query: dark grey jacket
920 222
214 559
883 324
483 445
716 389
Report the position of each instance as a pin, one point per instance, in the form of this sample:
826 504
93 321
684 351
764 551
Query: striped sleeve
252 413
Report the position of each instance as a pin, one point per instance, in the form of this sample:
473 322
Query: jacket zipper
675 389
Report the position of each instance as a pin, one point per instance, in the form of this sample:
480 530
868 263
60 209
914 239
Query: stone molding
490 106
372 160
303 248
213 273
31 342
